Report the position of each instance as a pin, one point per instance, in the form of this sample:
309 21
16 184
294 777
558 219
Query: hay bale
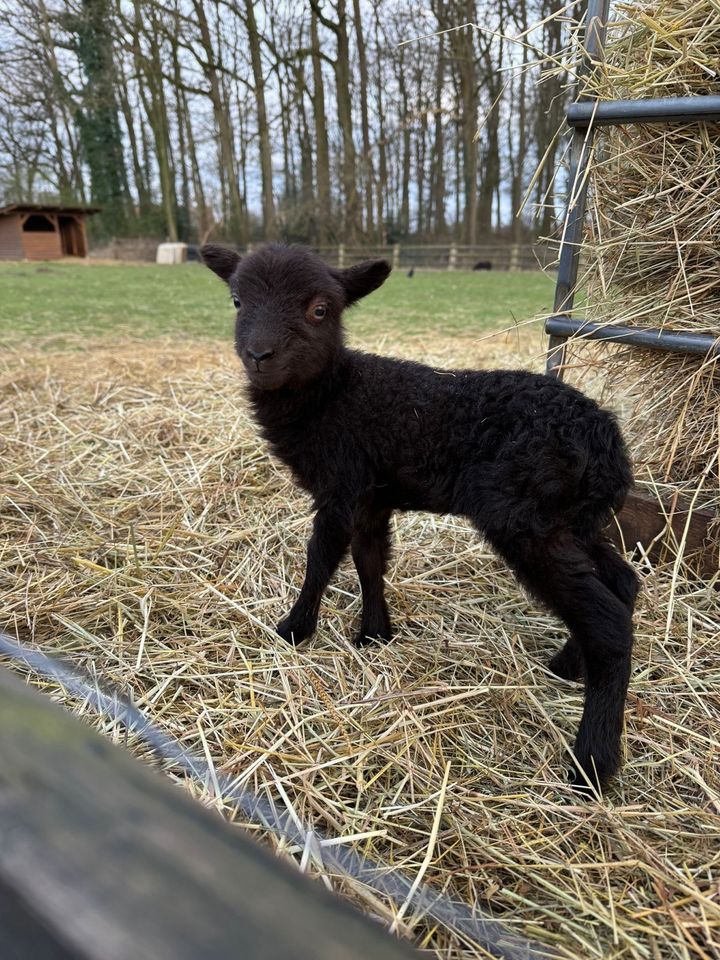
653 245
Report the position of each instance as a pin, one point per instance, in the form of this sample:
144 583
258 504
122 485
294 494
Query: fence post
396 256
452 259
341 255
514 258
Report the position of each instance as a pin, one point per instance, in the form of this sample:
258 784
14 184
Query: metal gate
584 116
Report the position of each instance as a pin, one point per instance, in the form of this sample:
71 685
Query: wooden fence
447 256
403 256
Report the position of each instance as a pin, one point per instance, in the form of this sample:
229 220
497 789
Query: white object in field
171 253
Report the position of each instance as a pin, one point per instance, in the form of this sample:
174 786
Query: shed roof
47 208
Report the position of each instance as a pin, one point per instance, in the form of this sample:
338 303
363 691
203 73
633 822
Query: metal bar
650 338
597 17
581 115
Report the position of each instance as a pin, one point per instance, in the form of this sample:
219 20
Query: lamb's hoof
565 666
578 780
589 778
369 635
294 631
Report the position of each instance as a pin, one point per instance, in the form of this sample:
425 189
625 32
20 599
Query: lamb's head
289 303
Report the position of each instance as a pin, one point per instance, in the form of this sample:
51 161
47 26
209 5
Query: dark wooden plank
106 860
658 526
23 935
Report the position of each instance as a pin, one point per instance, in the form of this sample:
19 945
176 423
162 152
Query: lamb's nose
258 357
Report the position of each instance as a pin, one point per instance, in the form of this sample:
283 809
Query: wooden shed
35 231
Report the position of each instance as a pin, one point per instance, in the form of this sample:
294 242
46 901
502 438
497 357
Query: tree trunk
304 142
141 186
492 81
437 174
322 151
368 174
185 213
463 52
522 132
163 148
549 113
98 119
420 146
198 189
268 206
404 221
149 69
353 226
341 64
221 113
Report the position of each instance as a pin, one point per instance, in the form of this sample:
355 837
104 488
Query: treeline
311 120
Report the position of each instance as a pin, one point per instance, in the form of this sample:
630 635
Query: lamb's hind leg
568 662
370 547
563 575
618 576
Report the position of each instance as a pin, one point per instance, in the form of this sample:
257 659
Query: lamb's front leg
370 549
332 530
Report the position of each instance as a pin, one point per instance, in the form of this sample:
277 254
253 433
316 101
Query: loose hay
147 537
652 257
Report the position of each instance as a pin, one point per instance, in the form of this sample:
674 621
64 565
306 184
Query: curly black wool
534 464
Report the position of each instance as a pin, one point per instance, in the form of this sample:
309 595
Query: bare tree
322 122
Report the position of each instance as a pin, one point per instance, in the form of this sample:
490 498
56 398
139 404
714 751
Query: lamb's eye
236 303
319 312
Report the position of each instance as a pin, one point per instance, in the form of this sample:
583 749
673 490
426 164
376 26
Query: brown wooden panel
11 247
42 246
105 858
658 526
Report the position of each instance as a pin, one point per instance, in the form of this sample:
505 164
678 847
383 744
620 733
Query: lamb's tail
605 482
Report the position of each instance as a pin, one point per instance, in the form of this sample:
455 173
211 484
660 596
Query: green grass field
49 300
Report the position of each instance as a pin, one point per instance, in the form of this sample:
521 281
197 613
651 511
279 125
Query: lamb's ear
362 278
221 260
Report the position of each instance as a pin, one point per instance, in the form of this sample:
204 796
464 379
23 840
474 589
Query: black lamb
534 464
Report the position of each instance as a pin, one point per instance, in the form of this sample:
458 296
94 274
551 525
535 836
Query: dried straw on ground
653 250
146 535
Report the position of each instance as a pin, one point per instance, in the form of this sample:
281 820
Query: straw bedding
653 250
146 535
